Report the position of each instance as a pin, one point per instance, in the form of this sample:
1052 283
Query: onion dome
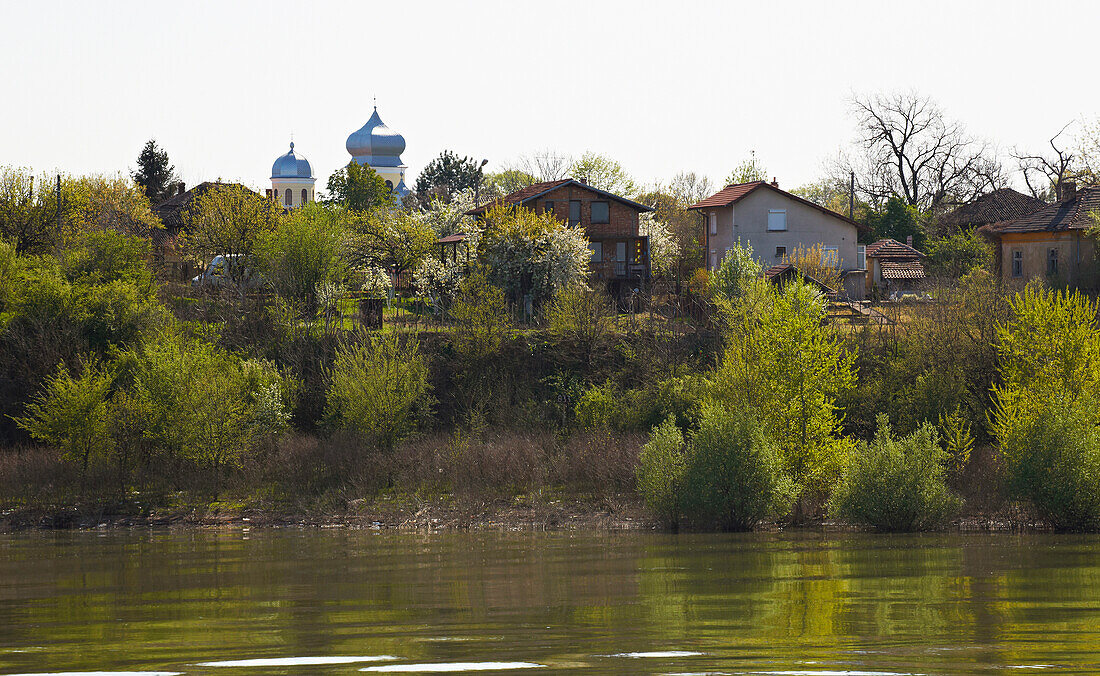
291 166
375 144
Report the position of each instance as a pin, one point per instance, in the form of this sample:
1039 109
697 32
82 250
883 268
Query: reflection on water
323 602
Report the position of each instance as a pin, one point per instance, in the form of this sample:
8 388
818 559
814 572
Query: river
236 603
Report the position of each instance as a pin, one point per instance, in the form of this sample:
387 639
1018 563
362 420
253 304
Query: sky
662 87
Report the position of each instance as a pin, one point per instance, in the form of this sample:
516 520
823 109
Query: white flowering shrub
663 247
376 282
438 281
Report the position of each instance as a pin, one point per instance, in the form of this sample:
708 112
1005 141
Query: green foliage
532 253
154 175
582 317
379 388
897 220
956 255
72 414
501 183
896 483
230 220
603 173
28 211
482 320
357 187
447 175
738 270
391 238
607 407
958 442
308 247
734 476
661 469
748 171
784 362
1045 414
100 256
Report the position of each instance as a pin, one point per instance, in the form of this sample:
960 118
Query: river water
236 603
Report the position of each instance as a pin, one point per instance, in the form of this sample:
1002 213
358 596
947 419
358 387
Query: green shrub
733 477
896 483
660 472
379 388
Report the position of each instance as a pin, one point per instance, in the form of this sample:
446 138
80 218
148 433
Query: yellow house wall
1075 254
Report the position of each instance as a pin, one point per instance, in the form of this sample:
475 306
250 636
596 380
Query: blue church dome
291 166
375 144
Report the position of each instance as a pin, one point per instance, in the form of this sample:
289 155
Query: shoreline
611 513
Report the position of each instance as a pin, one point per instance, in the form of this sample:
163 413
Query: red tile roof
1072 214
732 194
891 248
535 190
1000 205
902 270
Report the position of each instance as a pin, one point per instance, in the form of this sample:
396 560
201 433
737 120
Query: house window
830 255
305 196
713 261
1017 263
780 251
1052 262
574 212
548 207
601 213
620 252
861 257
288 198
777 219
597 251
713 223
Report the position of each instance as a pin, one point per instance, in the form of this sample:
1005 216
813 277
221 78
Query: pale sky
661 86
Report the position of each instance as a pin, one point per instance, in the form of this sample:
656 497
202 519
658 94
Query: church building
292 180
379 147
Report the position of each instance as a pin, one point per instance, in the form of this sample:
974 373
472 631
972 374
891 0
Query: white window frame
620 252
861 256
712 218
777 220
830 255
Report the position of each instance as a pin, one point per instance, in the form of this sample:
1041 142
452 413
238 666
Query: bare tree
1044 172
688 187
545 165
910 150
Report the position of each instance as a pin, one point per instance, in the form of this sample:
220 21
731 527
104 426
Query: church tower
292 180
379 147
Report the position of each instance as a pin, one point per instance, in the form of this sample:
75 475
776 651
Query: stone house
1051 242
620 254
775 224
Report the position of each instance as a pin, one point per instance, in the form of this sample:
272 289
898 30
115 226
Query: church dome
291 166
375 144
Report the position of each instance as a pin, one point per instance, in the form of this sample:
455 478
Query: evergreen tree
448 174
154 175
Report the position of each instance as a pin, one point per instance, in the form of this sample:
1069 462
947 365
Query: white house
776 223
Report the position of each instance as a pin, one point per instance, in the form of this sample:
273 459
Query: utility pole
852 196
58 195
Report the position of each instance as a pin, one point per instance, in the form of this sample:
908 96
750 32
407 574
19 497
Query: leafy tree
482 321
230 220
307 247
784 362
531 253
748 171
736 273
72 414
357 187
897 220
29 211
379 388
448 174
391 237
583 318
154 176
501 183
604 173
896 484
106 203
1045 414
957 255
662 465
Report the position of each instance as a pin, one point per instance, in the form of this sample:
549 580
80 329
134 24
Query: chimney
1067 190
909 240
775 183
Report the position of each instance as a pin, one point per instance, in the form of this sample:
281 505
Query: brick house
1052 242
620 254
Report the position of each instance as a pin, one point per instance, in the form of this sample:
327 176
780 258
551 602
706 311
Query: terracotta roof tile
902 270
999 205
1072 214
891 248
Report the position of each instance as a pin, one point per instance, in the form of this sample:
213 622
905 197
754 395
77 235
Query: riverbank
441 513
